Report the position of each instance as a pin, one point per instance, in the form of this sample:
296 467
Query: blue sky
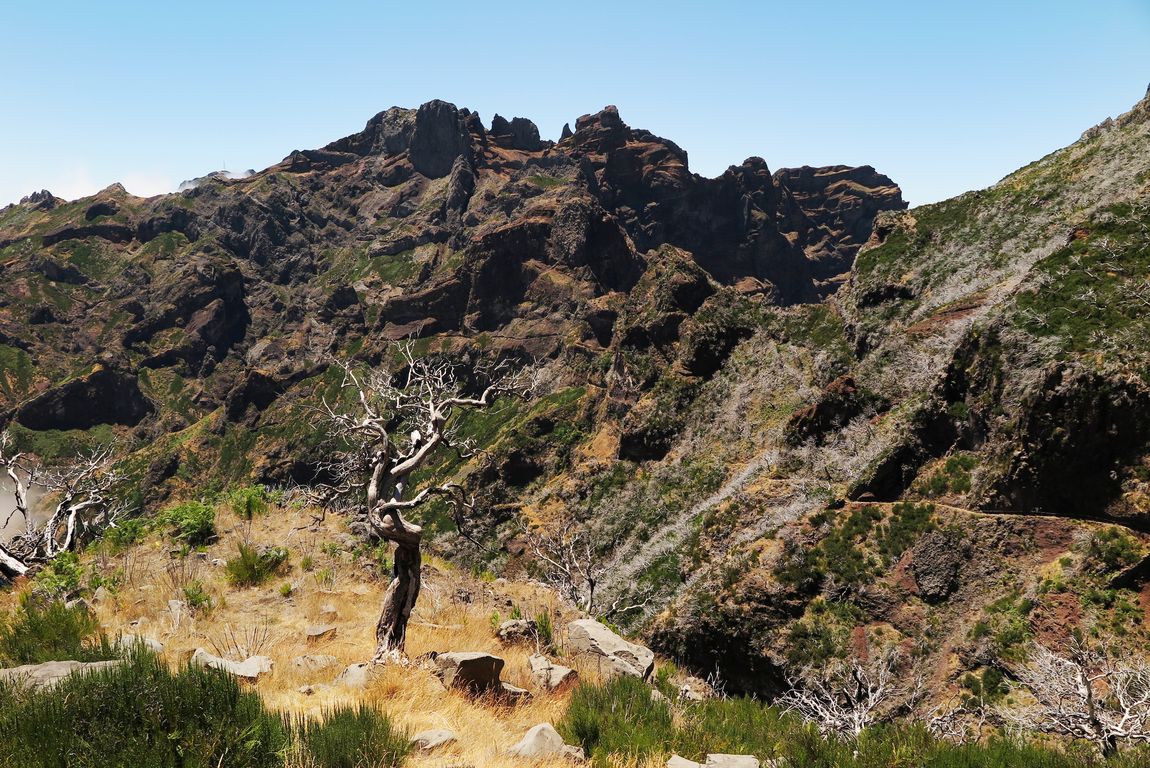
943 97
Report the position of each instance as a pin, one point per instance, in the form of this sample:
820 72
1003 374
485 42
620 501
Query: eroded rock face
935 563
104 396
1082 419
618 656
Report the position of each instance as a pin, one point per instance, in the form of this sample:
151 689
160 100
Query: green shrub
126 533
251 567
617 722
192 522
141 714
1112 549
618 717
353 737
60 577
907 522
196 596
249 501
545 629
48 630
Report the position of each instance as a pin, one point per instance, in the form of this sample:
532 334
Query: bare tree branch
1086 693
846 697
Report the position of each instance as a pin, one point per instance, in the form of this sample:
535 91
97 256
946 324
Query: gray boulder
544 741
48 674
474 671
551 676
681 762
319 632
355 676
732 761
517 631
715 761
433 739
128 642
314 662
249 669
936 560
619 656
513 694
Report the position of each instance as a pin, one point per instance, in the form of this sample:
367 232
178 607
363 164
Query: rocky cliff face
425 224
779 399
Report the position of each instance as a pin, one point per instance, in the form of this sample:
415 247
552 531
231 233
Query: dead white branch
1086 693
846 697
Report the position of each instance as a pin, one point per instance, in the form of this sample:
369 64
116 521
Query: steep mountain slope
987 367
777 472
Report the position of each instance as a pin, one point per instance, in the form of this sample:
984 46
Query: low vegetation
620 720
48 630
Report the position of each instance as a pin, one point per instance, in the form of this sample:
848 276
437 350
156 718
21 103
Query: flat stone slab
318 632
681 762
715 761
732 761
249 669
50 673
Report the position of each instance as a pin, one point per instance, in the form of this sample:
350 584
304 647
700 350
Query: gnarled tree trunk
402 592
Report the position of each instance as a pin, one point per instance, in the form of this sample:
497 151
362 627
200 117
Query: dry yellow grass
454 613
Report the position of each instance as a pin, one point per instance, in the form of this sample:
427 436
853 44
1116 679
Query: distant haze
8 504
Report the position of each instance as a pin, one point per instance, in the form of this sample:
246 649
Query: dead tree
1086 693
573 567
391 430
84 506
847 696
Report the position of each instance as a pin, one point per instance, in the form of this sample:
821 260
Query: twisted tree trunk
402 592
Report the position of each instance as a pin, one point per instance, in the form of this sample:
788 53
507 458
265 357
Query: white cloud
148 183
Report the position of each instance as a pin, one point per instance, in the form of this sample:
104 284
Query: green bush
545 629
251 567
1112 549
192 522
352 737
196 596
249 501
48 630
60 577
141 714
126 533
618 717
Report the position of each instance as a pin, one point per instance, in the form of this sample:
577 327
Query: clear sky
941 96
